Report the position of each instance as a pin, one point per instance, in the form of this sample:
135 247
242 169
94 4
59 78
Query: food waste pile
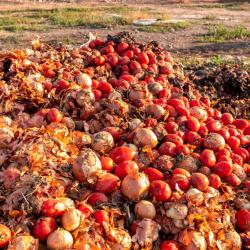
102 149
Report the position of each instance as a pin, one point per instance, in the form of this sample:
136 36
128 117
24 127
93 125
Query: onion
84 80
145 209
188 163
86 166
67 202
134 186
156 111
102 142
194 196
214 141
242 203
145 137
239 171
69 123
229 240
138 92
6 136
134 123
24 243
211 193
177 211
192 240
71 219
60 239
84 96
199 113
155 88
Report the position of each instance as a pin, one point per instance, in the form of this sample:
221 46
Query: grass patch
93 17
221 33
165 27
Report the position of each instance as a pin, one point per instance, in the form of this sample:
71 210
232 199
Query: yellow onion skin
71 219
134 186
59 240
145 137
25 242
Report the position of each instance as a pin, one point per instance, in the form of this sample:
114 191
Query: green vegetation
221 33
165 27
98 17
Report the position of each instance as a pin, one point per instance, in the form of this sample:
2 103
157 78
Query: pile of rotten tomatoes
98 150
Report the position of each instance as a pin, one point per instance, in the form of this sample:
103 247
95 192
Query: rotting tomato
160 191
97 198
54 115
126 167
101 216
107 183
52 208
5 235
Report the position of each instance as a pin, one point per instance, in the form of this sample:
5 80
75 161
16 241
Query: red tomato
105 87
107 183
200 181
143 58
227 118
107 163
129 54
223 168
85 209
109 49
182 149
207 158
101 216
243 153
48 86
171 127
233 180
126 167
181 180
193 124
153 174
169 245
97 198
98 94
193 138
5 235
134 65
121 47
241 123
181 171
43 227
217 114
99 42
243 219
247 131
173 138
215 181
213 126
167 148
122 153
166 69
99 60
54 115
224 133
113 60
52 208
182 111
233 142
203 130
63 84
160 191
136 51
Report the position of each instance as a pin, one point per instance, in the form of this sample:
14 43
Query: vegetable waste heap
98 150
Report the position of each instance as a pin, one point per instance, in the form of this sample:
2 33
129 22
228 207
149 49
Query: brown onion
214 141
194 196
60 239
135 185
192 240
188 163
199 113
145 137
177 211
86 166
102 142
84 80
156 111
145 209
229 240
71 219
24 243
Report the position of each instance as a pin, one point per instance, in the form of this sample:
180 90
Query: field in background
218 31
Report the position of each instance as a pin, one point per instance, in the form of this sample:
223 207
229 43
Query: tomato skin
213 126
122 153
243 219
193 138
169 245
182 111
107 163
153 174
160 190
121 47
52 208
105 87
98 94
233 180
54 115
207 158
182 149
107 183
113 60
5 235
223 168
181 171
167 148
171 127
63 84
215 181
126 167
101 216
43 227
97 198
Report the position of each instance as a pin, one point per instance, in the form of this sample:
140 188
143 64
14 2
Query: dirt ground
183 41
